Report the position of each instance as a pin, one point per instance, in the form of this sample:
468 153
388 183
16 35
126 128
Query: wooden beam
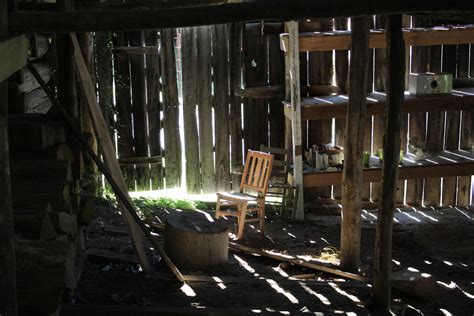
145 50
326 107
277 91
326 178
341 40
295 96
107 149
296 261
395 84
353 146
8 300
14 54
155 18
140 160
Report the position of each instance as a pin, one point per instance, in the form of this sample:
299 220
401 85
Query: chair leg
241 220
262 218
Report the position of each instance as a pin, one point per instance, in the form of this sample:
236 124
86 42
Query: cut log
415 284
64 223
34 222
32 131
43 170
42 264
28 82
35 101
59 152
55 192
195 240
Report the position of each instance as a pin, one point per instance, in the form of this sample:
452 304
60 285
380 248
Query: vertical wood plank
341 69
190 77
401 185
465 189
220 62
170 110
205 109
451 134
123 109
236 102
417 121
103 41
276 77
435 131
153 88
320 72
255 110
7 238
353 148
137 71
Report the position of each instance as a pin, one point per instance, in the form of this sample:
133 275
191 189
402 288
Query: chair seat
281 186
237 197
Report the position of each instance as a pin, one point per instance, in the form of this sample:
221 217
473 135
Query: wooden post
170 110
353 146
294 71
190 78
395 90
8 304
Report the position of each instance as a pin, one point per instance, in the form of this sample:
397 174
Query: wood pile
46 206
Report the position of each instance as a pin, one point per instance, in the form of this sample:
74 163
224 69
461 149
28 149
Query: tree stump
196 240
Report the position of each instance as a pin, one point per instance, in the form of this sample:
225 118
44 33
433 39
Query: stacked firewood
46 205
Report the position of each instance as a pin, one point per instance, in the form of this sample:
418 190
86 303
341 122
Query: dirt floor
434 242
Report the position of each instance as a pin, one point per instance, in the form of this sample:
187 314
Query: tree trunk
192 241
353 146
395 90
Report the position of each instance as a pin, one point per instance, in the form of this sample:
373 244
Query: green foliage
150 207
147 203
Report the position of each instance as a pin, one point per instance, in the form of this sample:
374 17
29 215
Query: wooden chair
278 185
253 189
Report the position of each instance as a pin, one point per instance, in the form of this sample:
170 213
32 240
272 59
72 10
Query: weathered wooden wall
219 126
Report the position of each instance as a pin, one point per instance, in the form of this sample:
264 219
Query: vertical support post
353 145
395 89
7 246
294 72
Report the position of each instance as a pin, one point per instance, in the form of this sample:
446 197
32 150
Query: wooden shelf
341 40
448 163
318 108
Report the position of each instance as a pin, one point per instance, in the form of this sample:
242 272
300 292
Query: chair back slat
281 163
257 172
